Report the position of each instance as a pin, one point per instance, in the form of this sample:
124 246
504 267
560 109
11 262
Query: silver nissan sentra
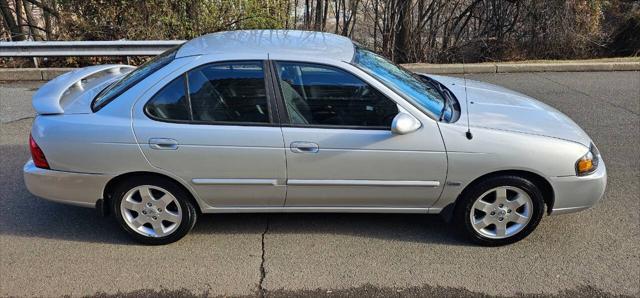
294 121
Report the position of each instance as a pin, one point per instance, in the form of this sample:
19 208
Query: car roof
283 42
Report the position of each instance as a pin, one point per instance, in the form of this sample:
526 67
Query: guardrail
128 48
86 48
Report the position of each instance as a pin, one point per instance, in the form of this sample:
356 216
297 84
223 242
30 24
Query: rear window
115 89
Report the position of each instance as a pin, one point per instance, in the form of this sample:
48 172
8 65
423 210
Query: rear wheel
153 210
500 210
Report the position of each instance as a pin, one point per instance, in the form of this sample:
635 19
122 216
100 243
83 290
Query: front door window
321 95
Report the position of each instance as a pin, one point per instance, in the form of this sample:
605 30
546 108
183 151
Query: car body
295 121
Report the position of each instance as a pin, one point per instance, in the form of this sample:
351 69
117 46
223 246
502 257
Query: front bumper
577 193
65 187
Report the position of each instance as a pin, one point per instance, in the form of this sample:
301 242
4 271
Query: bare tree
403 33
10 20
404 30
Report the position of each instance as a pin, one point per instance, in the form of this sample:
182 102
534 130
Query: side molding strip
302 182
364 182
204 181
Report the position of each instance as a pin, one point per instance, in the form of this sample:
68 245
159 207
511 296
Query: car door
213 127
340 148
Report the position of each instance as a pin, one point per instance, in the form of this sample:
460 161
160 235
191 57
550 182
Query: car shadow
38 218
25 215
417 228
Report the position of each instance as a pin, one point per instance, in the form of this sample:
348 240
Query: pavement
49 249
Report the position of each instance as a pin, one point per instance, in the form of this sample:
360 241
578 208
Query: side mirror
404 123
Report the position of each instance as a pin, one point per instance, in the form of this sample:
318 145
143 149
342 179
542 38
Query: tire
164 214
506 209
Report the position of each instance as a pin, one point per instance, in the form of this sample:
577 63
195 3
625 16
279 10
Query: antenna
466 99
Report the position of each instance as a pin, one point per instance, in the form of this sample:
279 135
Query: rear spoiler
47 100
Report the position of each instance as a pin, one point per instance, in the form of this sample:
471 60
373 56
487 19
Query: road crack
597 98
262 292
16 120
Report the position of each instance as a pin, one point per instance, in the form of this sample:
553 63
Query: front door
214 128
340 149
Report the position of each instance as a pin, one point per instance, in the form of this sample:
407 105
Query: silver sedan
293 121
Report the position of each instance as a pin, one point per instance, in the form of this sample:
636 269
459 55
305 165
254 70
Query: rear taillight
37 155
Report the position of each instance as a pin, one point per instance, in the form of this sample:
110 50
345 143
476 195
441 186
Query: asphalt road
48 249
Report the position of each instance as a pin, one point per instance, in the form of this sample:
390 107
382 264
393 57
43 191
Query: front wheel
153 210
500 210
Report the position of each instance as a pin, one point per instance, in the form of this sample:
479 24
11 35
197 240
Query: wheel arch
542 183
107 193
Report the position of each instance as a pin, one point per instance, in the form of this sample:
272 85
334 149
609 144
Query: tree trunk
47 26
324 14
21 23
10 21
307 14
337 8
403 34
375 24
317 22
354 17
31 24
295 14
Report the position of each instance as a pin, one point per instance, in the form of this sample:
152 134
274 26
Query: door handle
163 144
304 147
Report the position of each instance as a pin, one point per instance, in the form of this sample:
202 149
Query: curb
31 74
522 67
45 74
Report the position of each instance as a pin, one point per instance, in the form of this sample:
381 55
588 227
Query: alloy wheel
501 212
151 211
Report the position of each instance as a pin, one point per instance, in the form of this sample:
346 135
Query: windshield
401 80
114 90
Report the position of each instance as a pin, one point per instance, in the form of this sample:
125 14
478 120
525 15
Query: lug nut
144 212
509 211
501 218
154 217
493 213
500 205
149 204
159 210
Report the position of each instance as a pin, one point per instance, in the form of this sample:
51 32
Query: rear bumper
577 193
65 187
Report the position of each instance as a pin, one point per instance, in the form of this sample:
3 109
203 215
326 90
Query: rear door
340 149
214 127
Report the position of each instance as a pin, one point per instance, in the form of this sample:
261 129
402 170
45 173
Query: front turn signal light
585 165
588 163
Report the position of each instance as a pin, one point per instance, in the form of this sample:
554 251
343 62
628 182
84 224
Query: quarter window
323 95
170 103
215 93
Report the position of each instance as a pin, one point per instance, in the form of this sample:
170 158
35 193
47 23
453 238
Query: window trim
284 115
273 120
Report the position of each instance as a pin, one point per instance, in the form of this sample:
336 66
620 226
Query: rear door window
228 92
